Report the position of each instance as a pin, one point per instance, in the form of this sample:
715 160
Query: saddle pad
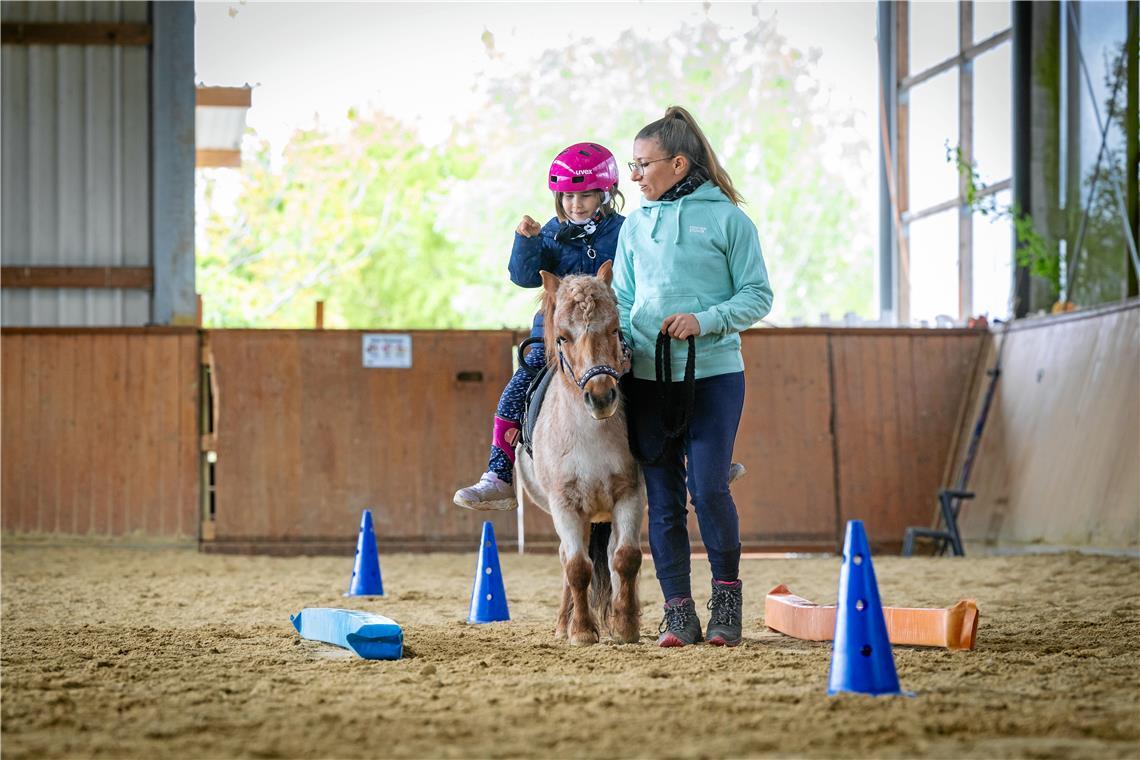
532 404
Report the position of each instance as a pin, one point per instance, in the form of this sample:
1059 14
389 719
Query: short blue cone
488 597
861 657
366 571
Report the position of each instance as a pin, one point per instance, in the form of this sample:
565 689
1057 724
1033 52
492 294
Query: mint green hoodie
699 254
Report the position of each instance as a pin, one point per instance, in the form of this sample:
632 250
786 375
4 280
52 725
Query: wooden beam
966 148
18 33
217 157
902 163
229 97
137 278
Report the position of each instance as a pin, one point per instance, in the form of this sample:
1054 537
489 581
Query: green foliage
345 219
1033 250
395 234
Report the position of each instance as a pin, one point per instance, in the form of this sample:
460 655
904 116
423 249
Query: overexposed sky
311 62
419 60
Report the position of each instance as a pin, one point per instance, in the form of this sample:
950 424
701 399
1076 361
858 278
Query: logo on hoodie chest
698 230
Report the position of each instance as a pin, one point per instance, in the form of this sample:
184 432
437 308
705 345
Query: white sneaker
490 493
736 471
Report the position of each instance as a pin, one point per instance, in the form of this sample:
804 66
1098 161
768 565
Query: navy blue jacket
543 253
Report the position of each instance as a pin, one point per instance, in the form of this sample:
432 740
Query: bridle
588 375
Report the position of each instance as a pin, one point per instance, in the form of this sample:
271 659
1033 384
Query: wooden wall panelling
897 400
1058 461
13 459
308 437
91 432
788 495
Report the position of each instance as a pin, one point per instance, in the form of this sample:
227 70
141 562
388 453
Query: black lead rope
681 413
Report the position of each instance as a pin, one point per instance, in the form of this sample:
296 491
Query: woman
689 264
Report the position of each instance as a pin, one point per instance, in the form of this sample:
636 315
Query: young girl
578 240
689 264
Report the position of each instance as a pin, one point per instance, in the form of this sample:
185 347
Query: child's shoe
725 608
490 493
735 472
680 626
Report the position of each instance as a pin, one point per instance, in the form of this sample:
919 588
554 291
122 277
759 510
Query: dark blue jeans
698 461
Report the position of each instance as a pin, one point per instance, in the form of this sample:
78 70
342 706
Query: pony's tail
601 592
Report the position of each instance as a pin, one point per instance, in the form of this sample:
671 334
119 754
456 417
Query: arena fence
274 440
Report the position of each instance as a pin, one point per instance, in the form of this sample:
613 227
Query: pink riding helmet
581 167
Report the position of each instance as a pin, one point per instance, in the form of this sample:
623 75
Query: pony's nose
601 401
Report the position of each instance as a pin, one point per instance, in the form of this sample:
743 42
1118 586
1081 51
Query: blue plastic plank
373 637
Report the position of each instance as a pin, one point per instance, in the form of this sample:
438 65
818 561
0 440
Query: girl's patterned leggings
508 414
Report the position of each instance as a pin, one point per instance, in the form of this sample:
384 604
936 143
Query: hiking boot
725 608
680 625
736 471
490 493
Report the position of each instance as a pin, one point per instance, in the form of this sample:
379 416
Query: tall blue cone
488 597
366 571
861 656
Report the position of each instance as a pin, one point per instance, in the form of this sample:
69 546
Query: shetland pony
581 470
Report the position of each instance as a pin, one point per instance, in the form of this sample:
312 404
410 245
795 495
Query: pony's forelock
584 296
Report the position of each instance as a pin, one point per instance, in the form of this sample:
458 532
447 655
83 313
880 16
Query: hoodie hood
708 192
699 254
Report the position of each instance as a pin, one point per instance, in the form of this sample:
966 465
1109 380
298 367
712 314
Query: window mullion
966 146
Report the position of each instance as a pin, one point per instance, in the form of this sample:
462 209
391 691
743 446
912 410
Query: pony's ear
550 282
606 272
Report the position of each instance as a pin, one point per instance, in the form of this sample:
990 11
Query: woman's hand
528 227
681 326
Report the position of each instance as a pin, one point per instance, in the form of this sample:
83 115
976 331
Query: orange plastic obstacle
953 628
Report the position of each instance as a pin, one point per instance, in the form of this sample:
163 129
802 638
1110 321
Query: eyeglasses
638 167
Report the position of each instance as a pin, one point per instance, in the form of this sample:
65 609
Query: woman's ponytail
679 134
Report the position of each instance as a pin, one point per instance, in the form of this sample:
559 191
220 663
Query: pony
580 469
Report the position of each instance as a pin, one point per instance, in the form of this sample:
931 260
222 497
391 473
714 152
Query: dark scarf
569 231
690 183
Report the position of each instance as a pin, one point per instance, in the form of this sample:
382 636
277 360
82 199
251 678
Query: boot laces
676 618
725 605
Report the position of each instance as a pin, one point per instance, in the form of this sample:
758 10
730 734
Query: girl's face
579 207
654 170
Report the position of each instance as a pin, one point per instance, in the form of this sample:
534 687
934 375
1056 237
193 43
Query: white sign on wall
388 351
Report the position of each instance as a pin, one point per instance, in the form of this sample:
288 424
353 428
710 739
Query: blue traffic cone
488 597
861 657
366 572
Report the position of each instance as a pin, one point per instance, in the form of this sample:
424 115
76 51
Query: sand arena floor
140 652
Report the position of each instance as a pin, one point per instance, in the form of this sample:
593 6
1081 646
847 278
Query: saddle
535 393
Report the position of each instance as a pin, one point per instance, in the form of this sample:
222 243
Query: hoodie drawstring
680 202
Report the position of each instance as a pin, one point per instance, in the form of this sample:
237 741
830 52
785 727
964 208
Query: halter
588 375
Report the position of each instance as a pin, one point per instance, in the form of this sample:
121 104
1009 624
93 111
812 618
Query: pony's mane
582 295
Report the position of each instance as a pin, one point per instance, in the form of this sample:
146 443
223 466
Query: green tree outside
395 234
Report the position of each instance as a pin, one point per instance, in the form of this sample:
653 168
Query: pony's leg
567 603
573 530
625 563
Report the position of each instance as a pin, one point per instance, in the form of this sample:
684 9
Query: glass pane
993 129
1099 269
933 122
933 34
990 18
993 262
934 267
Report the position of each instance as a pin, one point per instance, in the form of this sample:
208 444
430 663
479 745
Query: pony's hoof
624 629
584 638
626 638
560 633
